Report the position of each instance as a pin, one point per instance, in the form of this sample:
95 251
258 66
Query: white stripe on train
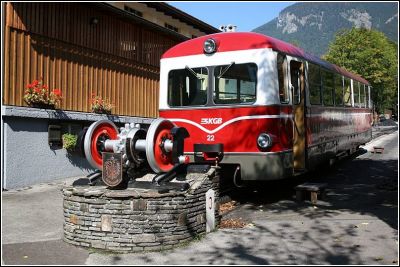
290 116
232 121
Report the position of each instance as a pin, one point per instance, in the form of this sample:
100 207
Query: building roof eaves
182 16
138 20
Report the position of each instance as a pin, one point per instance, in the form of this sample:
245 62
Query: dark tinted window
338 90
314 82
328 86
187 87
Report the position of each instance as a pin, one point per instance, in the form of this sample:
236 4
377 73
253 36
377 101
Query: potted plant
69 141
38 95
100 105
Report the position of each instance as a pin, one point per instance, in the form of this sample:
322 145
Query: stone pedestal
136 219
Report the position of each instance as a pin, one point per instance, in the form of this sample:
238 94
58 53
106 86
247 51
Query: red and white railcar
261 105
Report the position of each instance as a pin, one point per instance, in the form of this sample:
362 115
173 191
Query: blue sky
245 15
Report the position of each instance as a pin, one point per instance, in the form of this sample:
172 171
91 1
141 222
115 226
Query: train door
297 85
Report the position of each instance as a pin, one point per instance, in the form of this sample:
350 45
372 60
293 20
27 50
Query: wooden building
110 50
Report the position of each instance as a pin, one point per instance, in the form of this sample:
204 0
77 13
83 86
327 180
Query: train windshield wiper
193 72
225 70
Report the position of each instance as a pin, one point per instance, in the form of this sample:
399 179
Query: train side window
282 79
327 89
187 87
367 97
338 90
362 95
347 92
314 84
356 91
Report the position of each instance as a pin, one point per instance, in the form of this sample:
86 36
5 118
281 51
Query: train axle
161 147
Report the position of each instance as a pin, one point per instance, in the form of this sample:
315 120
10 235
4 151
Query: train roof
233 41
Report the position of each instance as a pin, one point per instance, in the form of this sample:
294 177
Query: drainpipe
3 149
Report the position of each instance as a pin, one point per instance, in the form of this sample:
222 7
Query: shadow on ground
358 188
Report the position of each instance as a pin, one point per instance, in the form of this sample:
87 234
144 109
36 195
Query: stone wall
136 219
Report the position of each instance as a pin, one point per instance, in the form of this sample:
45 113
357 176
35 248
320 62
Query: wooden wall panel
115 58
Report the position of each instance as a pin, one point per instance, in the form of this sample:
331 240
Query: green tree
370 54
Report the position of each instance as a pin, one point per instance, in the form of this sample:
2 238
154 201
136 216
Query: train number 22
210 137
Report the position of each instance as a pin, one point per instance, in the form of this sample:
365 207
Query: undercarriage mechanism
127 151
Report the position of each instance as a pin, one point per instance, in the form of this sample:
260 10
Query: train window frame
314 84
204 96
295 91
324 73
356 93
368 96
214 88
348 102
283 88
362 95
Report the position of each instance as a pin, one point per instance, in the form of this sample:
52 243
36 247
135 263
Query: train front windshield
229 84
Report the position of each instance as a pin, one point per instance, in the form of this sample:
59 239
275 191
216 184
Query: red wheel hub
162 158
100 134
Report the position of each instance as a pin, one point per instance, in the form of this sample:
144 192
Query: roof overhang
182 16
122 14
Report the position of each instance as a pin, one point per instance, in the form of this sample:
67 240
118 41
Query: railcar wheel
95 138
159 159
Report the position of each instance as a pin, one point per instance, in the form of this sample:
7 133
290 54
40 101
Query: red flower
100 105
57 92
38 93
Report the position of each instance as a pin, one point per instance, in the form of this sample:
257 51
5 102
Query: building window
133 11
172 28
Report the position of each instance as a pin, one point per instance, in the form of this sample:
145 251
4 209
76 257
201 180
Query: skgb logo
211 121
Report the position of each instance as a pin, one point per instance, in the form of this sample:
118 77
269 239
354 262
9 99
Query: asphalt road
357 223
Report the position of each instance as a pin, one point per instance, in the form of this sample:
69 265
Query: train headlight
210 46
264 141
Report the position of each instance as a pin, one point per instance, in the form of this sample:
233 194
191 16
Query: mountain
312 25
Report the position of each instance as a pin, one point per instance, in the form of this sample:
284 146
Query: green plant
39 93
69 141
